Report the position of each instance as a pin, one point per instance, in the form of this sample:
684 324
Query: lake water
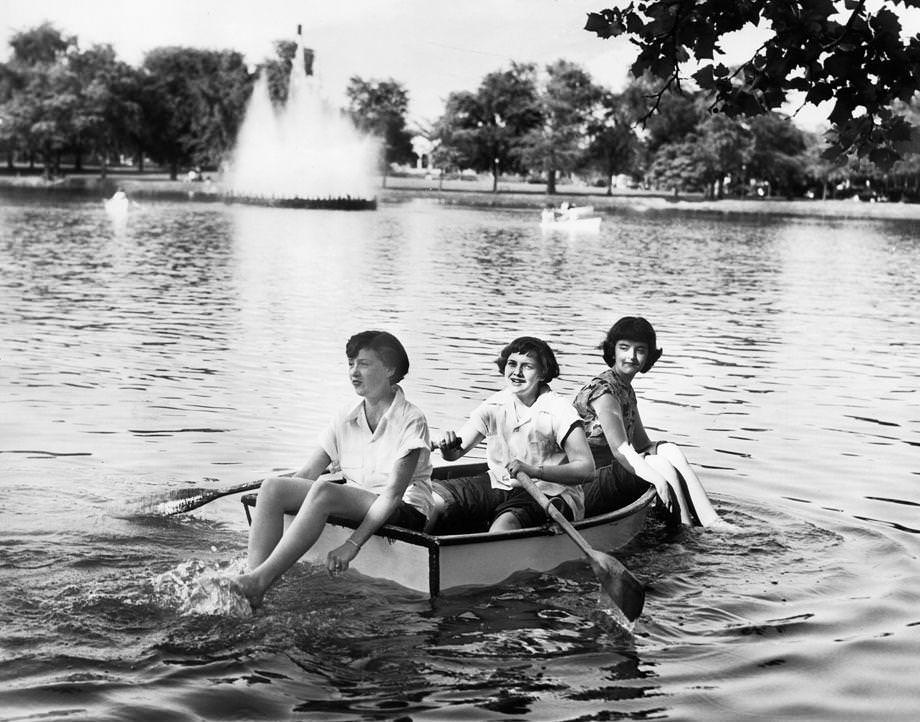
204 345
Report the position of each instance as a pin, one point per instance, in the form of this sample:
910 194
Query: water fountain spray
304 154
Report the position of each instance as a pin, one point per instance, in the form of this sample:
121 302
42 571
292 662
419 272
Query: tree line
561 123
182 107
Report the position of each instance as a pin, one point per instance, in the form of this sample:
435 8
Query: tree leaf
704 77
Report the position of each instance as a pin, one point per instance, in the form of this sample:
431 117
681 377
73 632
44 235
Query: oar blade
619 584
176 501
183 503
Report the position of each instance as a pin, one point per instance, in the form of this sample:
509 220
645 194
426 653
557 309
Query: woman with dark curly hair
382 447
527 427
627 458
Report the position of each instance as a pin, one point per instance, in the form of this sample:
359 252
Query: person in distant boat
382 447
527 427
627 458
119 196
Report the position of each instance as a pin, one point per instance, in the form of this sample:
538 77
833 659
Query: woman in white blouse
381 445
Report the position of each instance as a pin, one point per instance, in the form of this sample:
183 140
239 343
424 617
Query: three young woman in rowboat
381 444
618 440
527 427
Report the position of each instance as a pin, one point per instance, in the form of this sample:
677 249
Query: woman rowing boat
381 446
529 428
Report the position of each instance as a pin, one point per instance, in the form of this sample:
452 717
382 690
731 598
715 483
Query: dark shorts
612 487
407 516
472 505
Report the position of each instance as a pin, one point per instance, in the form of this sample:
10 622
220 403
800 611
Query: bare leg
324 498
505 522
662 466
704 509
278 496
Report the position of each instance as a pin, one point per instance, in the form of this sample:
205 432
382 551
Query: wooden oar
182 500
616 580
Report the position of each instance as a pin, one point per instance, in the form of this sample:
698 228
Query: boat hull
591 224
437 564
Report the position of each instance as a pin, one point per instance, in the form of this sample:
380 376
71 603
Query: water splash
305 150
196 588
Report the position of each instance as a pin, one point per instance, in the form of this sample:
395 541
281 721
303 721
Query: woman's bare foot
247 585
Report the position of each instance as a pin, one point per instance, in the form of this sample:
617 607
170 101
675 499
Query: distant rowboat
435 564
575 218
591 224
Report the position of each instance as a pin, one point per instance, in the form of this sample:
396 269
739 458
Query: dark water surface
204 345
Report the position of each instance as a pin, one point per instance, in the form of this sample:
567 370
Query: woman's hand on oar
450 442
616 581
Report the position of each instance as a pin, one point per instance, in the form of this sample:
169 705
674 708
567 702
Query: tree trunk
495 176
173 170
47 163
610 185
551 181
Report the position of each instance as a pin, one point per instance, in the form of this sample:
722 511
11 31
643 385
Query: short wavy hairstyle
632 328
386 346
536 347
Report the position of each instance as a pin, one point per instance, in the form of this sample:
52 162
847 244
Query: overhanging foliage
818 49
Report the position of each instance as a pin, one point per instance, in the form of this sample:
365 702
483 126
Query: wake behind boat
434 564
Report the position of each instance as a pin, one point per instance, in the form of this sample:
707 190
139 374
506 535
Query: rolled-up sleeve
482 419
328 441
565 418
414 436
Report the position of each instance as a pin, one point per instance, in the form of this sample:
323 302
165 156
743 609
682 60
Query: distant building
422 147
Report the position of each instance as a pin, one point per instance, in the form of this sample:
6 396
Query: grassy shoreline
476 193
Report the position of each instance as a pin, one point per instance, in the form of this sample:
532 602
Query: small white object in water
118 204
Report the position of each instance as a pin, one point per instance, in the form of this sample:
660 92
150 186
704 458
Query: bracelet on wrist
349 540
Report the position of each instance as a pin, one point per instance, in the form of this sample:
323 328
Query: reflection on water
193 344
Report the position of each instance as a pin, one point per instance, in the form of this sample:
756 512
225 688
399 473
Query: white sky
433 47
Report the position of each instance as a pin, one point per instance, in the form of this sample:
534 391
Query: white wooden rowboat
590 224
435 564
574 218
